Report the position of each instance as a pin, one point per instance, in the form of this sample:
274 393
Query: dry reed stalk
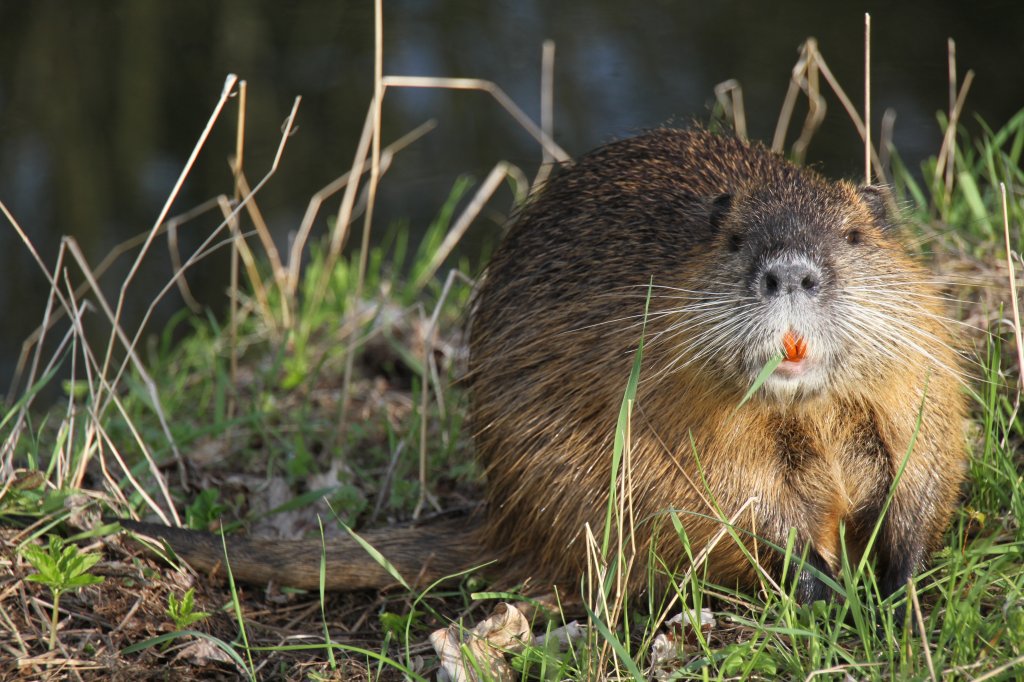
851 111
238 168
108 260
306 226
730 96
344 216
171 226
1017 331
506 102
371 139
950 136
240 249
947 152
7 452
113 483
867 99
547 110
622 552
919 620
183 288
229 85
705 552
597 599
63 459
209 243
278 274
429 336
371 198
71 247
106 384
995 672
803 77
841 669
97 382
458 229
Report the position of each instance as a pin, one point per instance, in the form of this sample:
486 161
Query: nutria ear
718 209
880 203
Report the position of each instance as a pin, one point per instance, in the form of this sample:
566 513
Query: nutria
744 256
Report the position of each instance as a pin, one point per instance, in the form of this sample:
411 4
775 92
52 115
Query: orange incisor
795 347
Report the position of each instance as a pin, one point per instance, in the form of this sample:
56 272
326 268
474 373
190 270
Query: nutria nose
789 277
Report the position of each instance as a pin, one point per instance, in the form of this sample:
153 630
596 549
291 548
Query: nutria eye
735 242
854 237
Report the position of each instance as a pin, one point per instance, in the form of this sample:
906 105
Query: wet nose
789 278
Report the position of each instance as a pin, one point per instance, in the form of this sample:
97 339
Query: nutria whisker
882 333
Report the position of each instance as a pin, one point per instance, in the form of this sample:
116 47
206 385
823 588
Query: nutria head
797 258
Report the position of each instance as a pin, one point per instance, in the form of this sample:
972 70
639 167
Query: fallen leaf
480 653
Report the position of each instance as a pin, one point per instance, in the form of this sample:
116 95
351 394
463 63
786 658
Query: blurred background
101 103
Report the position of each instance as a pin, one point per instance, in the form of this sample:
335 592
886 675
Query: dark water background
101 102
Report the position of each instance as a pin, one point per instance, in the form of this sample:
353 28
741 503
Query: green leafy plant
61 567
205 509
397 624
182 611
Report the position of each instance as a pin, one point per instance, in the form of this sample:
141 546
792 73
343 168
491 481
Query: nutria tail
420 554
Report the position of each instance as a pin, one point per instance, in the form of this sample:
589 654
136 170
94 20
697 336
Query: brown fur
555 326
420 559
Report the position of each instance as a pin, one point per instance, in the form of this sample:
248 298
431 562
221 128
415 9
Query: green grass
265 401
